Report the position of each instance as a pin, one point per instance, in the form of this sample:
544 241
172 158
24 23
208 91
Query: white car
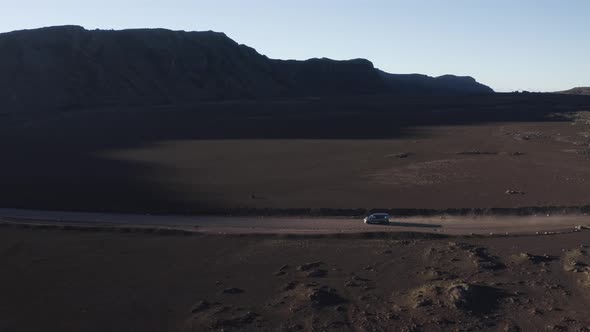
377 218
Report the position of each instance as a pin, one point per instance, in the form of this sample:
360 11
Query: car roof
380 214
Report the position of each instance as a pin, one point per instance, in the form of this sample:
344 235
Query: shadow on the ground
411 224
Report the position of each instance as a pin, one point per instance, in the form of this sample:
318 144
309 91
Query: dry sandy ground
55 280
355 152
435 167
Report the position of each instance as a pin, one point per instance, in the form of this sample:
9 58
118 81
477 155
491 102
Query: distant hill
577 91
69 67
442 85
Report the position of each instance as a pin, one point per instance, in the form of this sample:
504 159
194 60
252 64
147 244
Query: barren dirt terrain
441 167
506 151
105 281
96 271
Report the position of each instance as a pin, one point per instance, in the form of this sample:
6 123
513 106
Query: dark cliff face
326 76
69 67
417 84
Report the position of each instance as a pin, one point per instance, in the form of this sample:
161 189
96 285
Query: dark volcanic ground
344 152
138 282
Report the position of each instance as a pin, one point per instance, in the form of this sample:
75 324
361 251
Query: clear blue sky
535 45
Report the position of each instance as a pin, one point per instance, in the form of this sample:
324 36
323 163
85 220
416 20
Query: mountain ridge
68 67
585 91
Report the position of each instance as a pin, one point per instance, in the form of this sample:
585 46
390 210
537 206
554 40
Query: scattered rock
459 246
535 259
424 296
351 284
282 270
400 155
233 290
481 257
526 136
514 192
511 327
324 297
238 321
410 328
317 273
360 279
422 302
575 260
476 152
293 327
201 306
459 295
290 286
336 325
309 266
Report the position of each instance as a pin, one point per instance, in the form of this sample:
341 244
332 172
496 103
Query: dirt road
307 225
